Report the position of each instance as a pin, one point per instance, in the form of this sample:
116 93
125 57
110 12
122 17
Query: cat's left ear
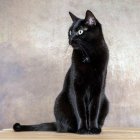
90 18
73 17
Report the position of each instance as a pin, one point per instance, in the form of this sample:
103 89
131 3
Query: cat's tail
38 127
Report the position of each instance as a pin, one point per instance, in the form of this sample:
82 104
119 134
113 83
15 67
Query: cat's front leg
94 110
95 105
80 109
81 116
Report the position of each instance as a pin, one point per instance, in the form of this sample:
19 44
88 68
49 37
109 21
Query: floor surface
107 134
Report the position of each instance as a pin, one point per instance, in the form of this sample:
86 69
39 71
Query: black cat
82 106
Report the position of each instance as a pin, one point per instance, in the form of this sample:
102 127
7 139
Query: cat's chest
86 69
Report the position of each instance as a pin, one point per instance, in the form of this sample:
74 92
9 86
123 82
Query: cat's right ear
90 18
73 17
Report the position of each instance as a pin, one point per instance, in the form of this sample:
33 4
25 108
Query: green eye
80 32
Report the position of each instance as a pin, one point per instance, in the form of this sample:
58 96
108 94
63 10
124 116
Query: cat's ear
73 17
90 18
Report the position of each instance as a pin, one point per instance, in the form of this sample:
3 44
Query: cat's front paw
95 130
83 131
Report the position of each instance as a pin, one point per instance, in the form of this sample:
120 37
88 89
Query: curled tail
38 127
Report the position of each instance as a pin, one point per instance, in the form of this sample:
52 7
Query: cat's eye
80 32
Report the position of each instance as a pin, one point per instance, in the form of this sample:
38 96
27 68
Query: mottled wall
34 57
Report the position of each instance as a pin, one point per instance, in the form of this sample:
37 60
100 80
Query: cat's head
83 31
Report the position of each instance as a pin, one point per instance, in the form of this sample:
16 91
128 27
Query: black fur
82 106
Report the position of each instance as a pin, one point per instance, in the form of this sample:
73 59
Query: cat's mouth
74 44
77 46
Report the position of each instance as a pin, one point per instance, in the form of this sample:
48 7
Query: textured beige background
34 57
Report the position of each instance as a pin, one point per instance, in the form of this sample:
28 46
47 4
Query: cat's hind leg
103 112
64 114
